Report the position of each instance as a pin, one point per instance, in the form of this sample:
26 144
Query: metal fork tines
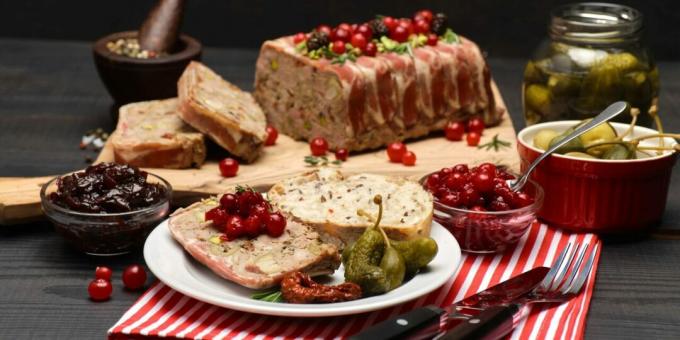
567 275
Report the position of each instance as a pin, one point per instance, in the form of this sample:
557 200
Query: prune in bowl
108 209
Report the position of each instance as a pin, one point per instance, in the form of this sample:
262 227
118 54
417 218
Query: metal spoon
610 112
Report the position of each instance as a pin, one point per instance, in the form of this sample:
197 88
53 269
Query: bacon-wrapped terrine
373 100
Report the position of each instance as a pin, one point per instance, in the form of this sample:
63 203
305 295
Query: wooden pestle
160 30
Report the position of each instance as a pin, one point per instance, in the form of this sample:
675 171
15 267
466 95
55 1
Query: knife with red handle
426 322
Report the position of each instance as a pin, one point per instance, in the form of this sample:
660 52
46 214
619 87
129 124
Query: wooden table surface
50 95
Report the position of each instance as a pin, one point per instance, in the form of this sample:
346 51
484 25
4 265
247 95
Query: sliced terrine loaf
372 101
341 207
222 111
255 263
151 134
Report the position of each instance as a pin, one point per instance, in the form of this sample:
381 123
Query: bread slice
341 207
254 263
229 116
151 134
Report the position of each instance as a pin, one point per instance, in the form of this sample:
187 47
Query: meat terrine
255 263
151 134
372 101
225 113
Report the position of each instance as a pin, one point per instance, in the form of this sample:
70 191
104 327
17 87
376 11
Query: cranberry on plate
396 151
228 167
318 146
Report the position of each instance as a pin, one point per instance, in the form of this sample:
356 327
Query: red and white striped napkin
163 312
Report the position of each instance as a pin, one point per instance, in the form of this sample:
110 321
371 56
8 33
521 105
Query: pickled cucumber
542 138
573 145
537 97
604 132
579 155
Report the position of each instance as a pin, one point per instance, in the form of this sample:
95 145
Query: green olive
533 74
579 155
620 151
542 138
417 253
537 98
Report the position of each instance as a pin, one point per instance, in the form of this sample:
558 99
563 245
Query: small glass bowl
488 231
106 234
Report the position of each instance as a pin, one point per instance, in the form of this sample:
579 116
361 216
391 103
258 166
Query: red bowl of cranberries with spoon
477 206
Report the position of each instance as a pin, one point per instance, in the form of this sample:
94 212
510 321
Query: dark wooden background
503 28
50 95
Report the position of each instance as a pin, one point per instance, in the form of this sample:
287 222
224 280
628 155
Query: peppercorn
317 40
379 29
439 24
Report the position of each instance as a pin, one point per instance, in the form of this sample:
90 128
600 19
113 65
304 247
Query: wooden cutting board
20 197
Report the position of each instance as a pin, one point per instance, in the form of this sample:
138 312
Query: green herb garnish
268 295
320 161
450 37
495 143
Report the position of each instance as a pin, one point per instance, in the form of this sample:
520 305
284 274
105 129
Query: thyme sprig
496 144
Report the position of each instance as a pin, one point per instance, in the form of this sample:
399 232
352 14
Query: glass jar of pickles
594 57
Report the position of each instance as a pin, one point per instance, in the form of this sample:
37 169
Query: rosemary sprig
268 295
495 143
320 161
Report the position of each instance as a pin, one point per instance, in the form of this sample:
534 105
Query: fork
563 282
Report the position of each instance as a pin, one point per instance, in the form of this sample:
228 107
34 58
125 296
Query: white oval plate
176 268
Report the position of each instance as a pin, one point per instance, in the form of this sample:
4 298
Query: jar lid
595 22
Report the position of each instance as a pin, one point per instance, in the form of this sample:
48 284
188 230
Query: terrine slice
151 134
225 113
255 263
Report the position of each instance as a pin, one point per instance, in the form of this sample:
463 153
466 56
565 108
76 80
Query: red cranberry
371 49
445 172
390 22
424 14
276 224
217 215
499 204
324 29
340 34
396 151
399 34
488 167
409 158
359 41
299 37
134 277
99 289
482 181
452 199
338 47
261 210
455 181
476 125
347 27
407 24
454 131
433 180
432 39
522 199
461 168
229 202
318 146
234 227
365 30
228 167
103 273
473 138
252 225
421 26
341 154
272 134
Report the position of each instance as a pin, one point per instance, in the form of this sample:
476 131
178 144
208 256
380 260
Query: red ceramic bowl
604 196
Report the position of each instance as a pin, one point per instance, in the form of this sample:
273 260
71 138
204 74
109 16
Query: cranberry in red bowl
107 209
479 209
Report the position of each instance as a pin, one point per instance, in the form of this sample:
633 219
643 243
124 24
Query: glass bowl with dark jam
107 209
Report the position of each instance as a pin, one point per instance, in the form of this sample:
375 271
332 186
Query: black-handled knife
426 322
